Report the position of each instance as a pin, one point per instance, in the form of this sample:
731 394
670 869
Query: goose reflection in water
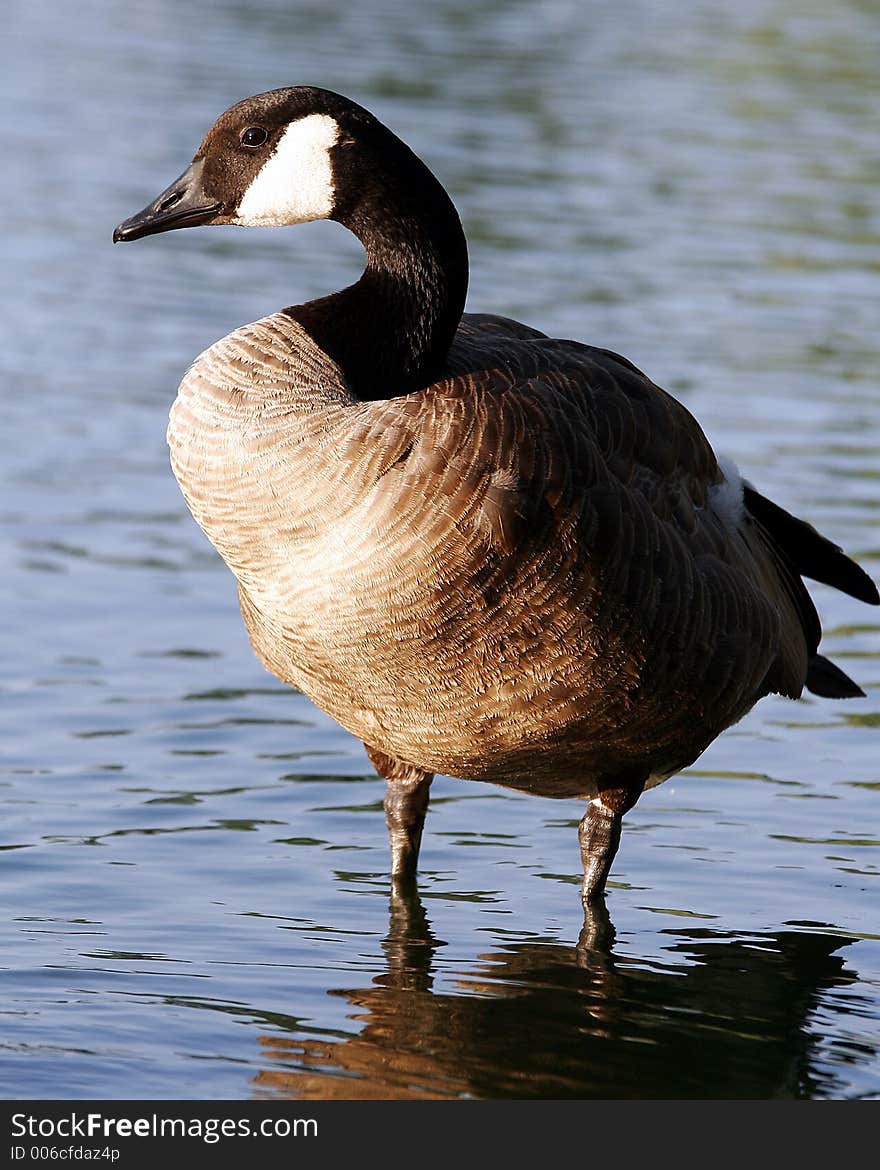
726 1016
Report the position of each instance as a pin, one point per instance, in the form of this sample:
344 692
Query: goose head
288 156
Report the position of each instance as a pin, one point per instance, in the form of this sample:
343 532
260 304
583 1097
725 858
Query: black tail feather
812 554
801 551
829 681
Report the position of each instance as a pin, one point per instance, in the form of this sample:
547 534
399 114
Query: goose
485 552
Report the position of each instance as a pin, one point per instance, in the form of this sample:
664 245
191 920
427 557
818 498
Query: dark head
290 156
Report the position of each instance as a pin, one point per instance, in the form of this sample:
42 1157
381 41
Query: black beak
183 204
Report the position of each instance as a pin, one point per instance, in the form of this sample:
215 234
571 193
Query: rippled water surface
195 899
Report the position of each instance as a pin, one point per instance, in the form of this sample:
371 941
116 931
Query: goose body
484 552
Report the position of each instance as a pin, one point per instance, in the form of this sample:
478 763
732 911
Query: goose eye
254 136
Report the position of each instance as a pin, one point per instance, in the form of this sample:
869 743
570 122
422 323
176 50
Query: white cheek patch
726 498
295 185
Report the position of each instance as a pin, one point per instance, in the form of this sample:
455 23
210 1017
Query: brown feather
519 556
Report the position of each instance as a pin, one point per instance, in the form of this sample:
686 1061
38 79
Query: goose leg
406 802
599 833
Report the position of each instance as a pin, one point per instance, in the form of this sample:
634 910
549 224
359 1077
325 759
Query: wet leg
599 832
406 803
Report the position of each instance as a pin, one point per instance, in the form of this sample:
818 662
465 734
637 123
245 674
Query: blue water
194 899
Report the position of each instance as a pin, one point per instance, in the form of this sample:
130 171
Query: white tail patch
295 185
726 498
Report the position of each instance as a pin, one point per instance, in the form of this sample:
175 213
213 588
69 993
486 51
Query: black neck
390 332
